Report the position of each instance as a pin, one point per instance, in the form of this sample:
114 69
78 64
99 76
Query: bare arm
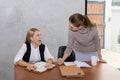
65 56
22 63
100 56
26 64
68 49
61 60
49 63
97 45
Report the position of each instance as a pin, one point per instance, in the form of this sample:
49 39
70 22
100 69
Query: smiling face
36 38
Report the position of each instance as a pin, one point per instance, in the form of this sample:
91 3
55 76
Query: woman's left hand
48 65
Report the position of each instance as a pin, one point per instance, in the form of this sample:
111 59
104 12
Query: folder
71 71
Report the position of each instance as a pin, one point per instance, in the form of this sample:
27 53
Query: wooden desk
101 72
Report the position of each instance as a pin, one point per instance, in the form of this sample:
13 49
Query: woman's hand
100 57
102 61
48 65
60 61
31 67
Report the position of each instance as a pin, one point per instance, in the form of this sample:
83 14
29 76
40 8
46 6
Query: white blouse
35 54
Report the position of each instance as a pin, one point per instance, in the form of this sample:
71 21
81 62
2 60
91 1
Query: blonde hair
30 34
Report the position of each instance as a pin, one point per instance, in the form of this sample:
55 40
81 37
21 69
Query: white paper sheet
69 63
77 64
41 66
81 64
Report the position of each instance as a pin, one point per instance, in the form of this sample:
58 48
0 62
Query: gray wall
17 16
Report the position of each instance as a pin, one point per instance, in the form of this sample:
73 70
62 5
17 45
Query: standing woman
33 50
83 38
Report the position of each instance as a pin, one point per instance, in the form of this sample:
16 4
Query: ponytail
87 22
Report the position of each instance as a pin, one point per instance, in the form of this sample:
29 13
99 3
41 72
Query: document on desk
41 66
69 64
77 64
81 64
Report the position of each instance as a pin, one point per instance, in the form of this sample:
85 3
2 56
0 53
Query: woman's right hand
102 60
31 67
60 61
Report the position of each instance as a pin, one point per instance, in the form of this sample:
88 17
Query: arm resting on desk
49 63
100 56
27 65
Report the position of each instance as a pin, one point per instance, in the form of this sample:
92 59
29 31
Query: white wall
17 16
112 27
107 22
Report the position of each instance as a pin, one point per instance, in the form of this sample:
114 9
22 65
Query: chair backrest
61 52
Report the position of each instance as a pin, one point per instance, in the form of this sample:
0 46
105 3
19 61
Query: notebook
71 71
41 66
77 64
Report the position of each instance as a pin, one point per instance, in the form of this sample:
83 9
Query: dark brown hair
79 19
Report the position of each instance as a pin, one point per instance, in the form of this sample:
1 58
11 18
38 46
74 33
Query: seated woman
32 51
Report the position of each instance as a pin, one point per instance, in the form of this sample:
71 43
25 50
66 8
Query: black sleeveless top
27 54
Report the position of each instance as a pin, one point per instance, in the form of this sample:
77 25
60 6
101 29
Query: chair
61 52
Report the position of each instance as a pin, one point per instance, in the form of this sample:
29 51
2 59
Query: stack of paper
77 64
41 66
69 64
81 64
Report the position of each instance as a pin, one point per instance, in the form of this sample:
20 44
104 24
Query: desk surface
100 72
